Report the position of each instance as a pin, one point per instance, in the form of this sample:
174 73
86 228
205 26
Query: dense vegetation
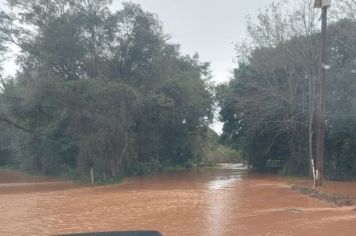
99 89
269 106
107 90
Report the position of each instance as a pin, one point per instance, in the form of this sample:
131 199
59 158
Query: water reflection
209 201
218 177
229 175
221 183
219 198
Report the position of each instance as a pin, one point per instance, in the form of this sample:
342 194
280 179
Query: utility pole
320 142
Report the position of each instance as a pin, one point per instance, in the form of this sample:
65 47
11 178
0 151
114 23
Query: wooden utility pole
321 104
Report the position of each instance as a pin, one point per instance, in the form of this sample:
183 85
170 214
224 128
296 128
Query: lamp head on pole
322 3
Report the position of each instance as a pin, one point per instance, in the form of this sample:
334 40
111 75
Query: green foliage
224 154
102 90
341 103
266 107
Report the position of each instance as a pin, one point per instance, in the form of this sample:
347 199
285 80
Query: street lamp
324 5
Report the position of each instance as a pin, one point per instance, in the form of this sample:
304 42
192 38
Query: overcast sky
209 27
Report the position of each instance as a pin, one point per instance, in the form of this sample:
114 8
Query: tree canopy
100 89
268 107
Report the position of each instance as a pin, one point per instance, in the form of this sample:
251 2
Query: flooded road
213 202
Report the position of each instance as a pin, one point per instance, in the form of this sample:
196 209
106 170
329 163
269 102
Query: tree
274 81
270 102
103 90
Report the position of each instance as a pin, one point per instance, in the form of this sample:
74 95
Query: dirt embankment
9 176
13 182
337 192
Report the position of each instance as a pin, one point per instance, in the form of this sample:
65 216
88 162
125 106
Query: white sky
209 27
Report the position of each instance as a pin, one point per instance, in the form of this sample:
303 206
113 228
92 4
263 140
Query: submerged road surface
196 202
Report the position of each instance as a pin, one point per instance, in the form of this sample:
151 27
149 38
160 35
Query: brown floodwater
214 202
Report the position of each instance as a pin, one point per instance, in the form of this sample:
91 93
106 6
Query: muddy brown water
214 202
